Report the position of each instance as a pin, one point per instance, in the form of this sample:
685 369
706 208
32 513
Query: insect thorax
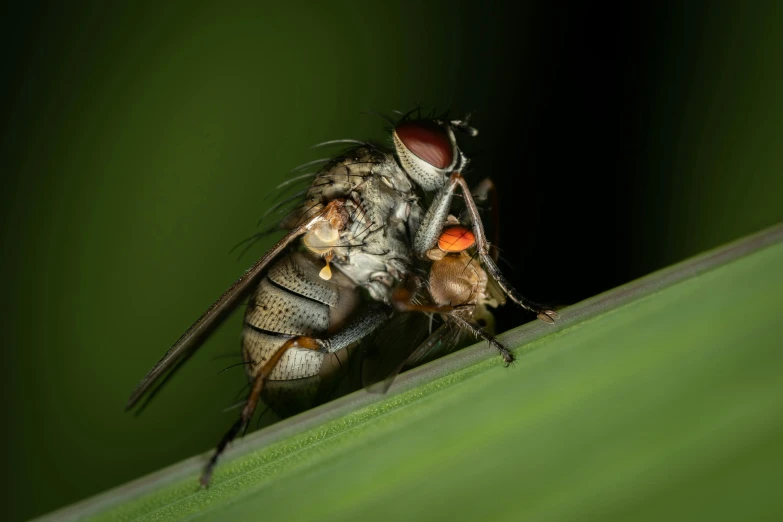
381 214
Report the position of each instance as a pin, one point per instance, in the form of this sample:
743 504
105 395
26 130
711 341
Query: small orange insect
459 291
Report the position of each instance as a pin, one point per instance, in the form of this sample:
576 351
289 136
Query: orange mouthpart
456 239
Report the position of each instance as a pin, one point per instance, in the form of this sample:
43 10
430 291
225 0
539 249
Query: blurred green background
140 140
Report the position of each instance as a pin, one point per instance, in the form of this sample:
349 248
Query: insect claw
508 358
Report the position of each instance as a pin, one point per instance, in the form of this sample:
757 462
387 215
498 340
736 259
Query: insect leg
356 329
432 225
478 331
486 190
543 313
252 400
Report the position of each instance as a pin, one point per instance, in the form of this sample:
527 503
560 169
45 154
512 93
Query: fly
333 279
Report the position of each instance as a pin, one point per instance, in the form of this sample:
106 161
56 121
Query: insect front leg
433 221
361 325
543 313
486 191
432 225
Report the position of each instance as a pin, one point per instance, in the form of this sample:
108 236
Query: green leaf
659 400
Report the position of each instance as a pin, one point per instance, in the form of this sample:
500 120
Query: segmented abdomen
292 300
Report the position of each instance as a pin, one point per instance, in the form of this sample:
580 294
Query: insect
459 289
331 280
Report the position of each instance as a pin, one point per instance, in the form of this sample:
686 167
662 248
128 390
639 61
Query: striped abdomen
293 300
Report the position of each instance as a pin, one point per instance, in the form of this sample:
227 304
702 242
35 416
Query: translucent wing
198 332
447 338
386 353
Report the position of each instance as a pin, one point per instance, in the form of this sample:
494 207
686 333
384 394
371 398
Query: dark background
139 142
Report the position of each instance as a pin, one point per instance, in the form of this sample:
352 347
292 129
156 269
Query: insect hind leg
357 328
253 398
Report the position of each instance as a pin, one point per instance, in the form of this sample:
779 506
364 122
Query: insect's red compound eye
456 239
427 141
